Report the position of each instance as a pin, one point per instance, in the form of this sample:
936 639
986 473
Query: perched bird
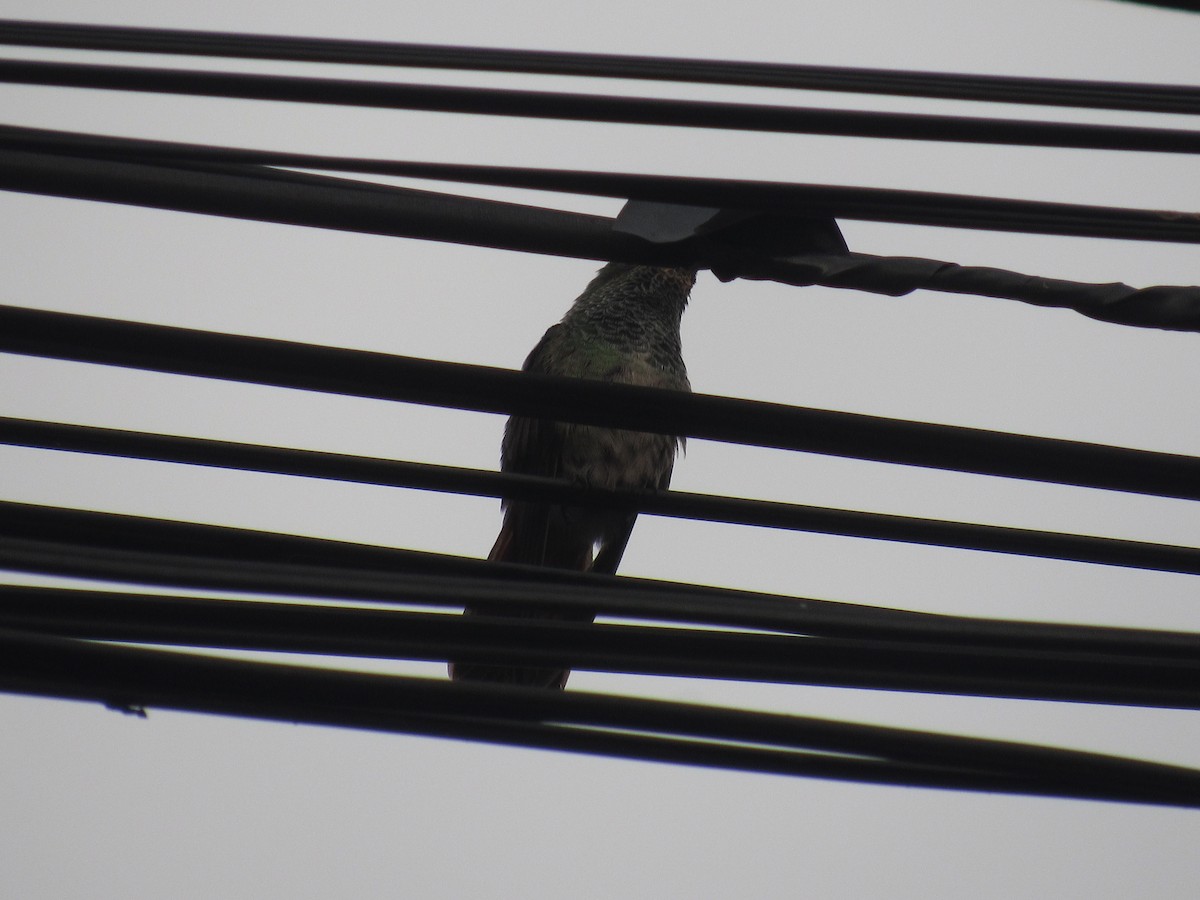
624 328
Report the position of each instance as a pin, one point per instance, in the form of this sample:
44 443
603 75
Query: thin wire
867 204
481 388
598 108
269 195
946 85
133 678
706 507
1025 673
131 549
273 195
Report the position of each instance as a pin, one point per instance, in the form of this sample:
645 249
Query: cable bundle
374 602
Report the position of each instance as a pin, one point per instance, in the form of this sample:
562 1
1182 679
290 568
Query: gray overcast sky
99 805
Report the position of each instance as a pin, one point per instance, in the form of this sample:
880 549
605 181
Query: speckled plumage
625 328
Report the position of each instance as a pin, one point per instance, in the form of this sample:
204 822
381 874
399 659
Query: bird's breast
615 458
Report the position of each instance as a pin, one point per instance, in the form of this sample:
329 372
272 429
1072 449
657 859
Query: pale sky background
99 805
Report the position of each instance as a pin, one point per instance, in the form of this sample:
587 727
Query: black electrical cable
705 507
131 549
273 195
1170 307
1078 776
131 679
1179 5
266 195
601 108
377 375
1171 682
868 204
945 85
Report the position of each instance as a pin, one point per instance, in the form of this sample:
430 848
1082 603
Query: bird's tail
529 537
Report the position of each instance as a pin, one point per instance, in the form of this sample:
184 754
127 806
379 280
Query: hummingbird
623 328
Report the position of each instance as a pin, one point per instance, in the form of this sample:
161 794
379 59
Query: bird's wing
534 446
